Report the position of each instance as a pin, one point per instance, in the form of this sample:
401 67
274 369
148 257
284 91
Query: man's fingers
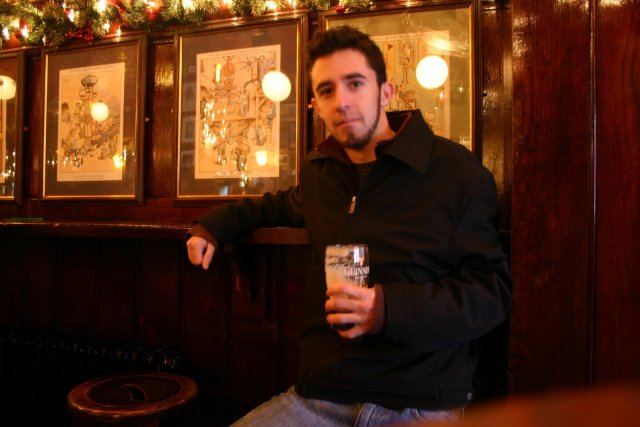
195 255
200 251
208 256
347 289
352 333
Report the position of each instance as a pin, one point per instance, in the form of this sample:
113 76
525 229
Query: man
427 210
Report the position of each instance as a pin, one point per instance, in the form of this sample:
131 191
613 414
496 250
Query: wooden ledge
139 230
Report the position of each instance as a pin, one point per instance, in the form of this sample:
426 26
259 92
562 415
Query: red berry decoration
340 8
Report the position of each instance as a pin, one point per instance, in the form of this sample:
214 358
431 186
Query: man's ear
386 93
314 104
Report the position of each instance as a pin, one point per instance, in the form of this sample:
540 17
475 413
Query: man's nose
342 98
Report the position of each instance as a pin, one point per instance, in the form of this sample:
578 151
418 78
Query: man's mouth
346 121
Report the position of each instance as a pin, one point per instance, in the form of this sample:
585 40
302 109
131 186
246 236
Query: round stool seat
130 398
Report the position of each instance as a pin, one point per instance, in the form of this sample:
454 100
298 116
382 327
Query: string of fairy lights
53 22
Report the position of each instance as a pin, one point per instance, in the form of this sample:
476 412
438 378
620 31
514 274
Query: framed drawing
240 107
93 127
11 125
429 54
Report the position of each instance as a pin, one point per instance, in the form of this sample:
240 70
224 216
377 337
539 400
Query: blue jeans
291 409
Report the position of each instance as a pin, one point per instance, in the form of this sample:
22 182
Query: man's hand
200 251
358 309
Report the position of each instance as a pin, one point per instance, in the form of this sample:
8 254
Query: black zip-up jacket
428 212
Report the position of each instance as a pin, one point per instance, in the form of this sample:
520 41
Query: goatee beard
352 141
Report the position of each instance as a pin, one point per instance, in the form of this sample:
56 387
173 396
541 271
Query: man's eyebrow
350 76
354 76
323 84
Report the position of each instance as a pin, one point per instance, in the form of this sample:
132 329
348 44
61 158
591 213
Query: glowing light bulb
261 157
7 87
101 6
218 70
118 161
276 86
432 71
99 111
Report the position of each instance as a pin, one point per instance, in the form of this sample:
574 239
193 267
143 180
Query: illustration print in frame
410 34
94 112
235 138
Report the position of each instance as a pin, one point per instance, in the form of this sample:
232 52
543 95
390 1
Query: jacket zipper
349 182
352 207
347 219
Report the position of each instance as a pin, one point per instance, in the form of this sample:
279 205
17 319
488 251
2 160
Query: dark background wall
557 119
575 204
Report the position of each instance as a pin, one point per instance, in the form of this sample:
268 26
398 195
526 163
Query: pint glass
346 263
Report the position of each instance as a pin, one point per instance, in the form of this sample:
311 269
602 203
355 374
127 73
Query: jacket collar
411 144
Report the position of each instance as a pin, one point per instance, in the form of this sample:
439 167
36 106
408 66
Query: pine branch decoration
53 22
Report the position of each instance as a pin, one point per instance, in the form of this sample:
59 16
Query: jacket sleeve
471 299
227 222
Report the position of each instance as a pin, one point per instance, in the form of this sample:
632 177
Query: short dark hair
326 42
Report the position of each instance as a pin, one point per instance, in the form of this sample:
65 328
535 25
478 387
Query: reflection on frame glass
11 105
94 110
239 108
429 55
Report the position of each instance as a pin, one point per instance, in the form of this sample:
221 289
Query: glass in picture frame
94 120
238 134
429 52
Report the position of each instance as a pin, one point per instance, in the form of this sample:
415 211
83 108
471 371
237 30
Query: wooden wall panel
161 129
34 110
159 287
495 20
551 194
38 260
10 279
617 348
495 87
253 325
76 274
294 267
116 289
206 338
205 319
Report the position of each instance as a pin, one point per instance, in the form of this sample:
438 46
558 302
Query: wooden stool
134 399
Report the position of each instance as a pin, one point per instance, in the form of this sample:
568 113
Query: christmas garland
51 23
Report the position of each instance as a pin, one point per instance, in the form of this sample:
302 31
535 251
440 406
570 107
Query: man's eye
325 92
356 84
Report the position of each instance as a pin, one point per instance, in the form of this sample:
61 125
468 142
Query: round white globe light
262 157
276 86
7 87
99 111
432 71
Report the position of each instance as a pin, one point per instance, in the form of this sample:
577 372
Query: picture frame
234 137
11 126
439 38
94 120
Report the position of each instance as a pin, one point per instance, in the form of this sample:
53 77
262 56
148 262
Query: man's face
347 97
